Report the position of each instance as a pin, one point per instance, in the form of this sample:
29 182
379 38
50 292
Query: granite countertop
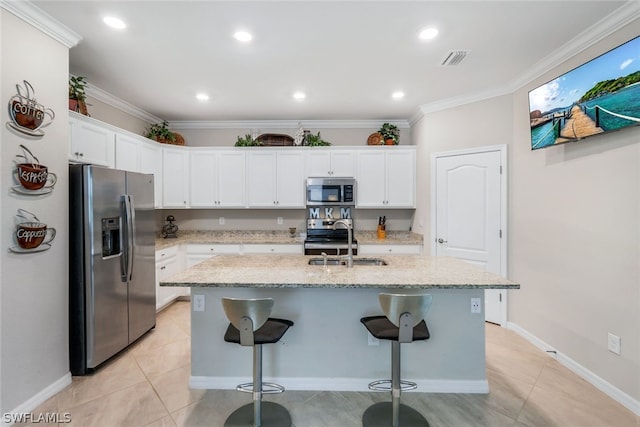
293 271
278 237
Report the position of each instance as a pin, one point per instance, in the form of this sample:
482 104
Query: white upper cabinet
332 163
127 153
91 143
276 179
217 179
386 179
175 178
151 162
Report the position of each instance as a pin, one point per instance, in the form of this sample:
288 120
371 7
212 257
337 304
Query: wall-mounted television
600 96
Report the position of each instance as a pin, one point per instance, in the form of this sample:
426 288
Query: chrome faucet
349 256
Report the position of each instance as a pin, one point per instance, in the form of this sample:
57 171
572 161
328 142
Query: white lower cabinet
198 253
282 248
364 249
168 263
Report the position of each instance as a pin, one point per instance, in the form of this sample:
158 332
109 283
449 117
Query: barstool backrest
247 315
405 311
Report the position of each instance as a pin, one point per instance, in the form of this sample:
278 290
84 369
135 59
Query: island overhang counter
328 348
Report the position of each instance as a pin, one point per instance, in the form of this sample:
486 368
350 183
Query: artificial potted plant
160 132
247 141
77 95
312 140
390 134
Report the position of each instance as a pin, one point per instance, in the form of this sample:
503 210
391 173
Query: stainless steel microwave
331 191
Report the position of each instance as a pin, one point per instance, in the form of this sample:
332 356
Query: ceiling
347 56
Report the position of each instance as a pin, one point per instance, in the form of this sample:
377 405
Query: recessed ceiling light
202 97
397 94
114 22
428 33
299 95
242 36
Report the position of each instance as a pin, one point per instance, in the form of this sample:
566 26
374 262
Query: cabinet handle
163 267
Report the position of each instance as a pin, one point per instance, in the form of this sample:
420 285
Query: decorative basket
275 140
179 140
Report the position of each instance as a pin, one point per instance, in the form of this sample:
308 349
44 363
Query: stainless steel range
322 237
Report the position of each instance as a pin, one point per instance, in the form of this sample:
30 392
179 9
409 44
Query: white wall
33 291
574 225
574 240
480 124
116 117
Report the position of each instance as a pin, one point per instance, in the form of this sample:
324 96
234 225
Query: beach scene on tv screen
599 96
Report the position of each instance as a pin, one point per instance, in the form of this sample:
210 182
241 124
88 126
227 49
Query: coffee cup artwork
27 115
32 177
31 234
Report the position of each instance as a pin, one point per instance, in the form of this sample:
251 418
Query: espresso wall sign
27 115
32 178
31 234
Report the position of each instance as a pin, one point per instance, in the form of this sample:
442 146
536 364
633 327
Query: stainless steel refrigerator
112 299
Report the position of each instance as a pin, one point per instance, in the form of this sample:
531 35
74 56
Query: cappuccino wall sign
31 235
27 115
31 177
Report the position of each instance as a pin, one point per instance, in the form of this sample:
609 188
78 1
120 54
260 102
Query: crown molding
114 101
35 16
622 16
286 124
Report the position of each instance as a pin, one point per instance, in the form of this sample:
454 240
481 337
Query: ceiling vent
454 58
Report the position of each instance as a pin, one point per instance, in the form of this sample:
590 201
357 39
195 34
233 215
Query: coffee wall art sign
31 234
27 115
32 178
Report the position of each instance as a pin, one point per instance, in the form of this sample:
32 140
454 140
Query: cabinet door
175 179
127 153
231 180
343 164
370 179
91 143
261 179
166 294
151 162
290 180
318 163
203 179
401 179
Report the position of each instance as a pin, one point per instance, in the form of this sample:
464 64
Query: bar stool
252 326
403 322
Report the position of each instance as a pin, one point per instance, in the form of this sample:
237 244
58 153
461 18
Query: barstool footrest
385 385
267 388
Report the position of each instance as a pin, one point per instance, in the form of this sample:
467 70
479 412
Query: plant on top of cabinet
390 133
77 95
312 140
160 132
247 141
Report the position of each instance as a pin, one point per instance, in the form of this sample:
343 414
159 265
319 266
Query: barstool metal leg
395 383
257 385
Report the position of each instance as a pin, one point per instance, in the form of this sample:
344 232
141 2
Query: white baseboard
606 387
41 397
340 384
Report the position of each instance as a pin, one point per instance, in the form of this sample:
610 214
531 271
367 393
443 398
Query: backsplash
267 219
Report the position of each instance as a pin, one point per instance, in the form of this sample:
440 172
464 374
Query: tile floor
147 385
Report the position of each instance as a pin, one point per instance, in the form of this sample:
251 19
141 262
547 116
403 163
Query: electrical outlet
475 305
613 343
371 340
221 220
198 302
280 221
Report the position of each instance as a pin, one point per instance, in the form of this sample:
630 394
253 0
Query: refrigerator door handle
127 259
131 227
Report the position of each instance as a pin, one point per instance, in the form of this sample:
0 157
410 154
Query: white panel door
290 180
231 179
261 179
203 177
468 215
127 153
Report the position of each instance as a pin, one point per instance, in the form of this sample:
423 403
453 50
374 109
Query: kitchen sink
356 261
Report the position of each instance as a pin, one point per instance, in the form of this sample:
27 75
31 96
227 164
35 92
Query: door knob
440 240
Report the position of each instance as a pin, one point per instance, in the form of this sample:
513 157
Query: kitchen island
328 348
